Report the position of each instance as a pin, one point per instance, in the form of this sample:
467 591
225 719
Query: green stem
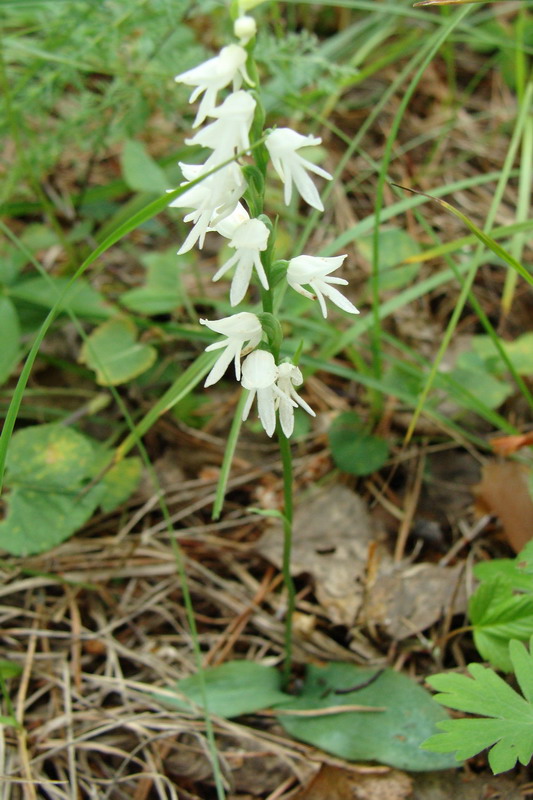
286 460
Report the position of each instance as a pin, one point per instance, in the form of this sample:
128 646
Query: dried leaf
332 533
333 783
503 491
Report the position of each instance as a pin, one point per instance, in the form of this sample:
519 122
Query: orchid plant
235 171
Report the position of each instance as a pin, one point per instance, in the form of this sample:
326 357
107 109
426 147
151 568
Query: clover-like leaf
114 353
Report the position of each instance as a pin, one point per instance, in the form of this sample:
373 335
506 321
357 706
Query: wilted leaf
114 354
504 491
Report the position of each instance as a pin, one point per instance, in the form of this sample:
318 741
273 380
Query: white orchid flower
283 144
215 74
249 239
259 375
289 376
230 132
213 199
242 331
314 271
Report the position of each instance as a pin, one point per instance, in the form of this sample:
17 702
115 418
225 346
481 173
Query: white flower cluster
215 206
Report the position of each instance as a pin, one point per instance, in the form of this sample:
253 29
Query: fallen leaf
331 536
410 598
333 783
507 445
504 492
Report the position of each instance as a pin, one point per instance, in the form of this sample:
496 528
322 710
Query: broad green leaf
114 353
509 729
140 171
81 299
37 521
49 456
234 688
120 482
395 246
354 451
482 385
392 736
9 337
519 351
162 293
497 615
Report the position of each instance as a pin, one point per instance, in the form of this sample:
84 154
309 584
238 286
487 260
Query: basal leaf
391 736
234 688
113 351
120 482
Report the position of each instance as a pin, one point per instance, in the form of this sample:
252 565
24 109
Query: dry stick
409 512
234 630
29 788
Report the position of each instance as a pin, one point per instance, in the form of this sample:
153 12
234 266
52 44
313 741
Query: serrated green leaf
391 736
354 451
497 615
232 689
505 570
9 337
49 456
140 171
114 354
507 723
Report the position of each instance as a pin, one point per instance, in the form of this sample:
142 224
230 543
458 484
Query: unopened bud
244 28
